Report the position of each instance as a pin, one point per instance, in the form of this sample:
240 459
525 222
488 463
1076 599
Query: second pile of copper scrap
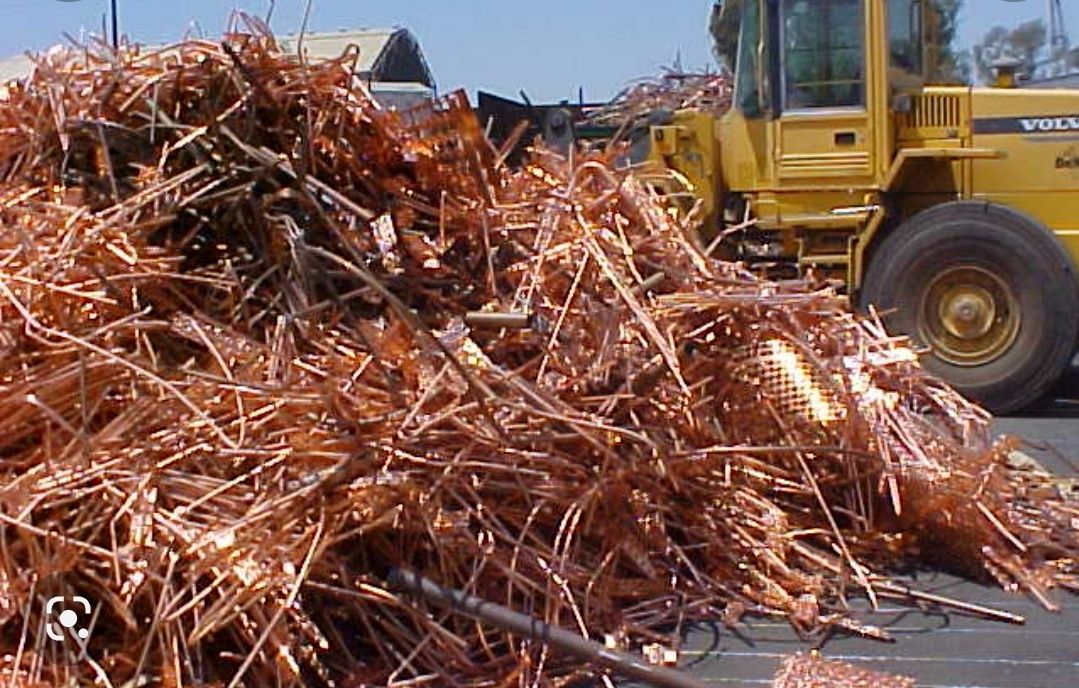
674 89
243 376
813 671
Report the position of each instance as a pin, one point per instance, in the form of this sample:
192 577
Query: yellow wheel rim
969 316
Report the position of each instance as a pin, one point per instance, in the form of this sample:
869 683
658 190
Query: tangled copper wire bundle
257 352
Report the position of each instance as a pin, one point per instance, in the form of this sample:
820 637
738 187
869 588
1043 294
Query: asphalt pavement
938 649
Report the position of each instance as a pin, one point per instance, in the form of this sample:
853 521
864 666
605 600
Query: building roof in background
392 55
14 67
385 54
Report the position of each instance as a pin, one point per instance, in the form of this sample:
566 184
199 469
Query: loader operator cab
933 204
820 48
821 58
818 86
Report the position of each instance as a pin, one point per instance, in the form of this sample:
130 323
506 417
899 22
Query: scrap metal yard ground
940 650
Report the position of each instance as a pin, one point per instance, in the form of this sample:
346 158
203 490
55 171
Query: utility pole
1059 45
1058 32
115 25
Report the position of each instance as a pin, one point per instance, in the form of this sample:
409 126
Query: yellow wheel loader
953 211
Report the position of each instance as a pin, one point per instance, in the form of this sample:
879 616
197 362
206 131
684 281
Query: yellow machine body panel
839 158
809 152
835 160
1038 134
689 148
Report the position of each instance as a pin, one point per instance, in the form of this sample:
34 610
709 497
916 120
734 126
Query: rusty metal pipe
498 321
524 626
651 283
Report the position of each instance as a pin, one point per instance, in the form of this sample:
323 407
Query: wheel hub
968 312
969 316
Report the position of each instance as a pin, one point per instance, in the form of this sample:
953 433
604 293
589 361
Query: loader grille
932 116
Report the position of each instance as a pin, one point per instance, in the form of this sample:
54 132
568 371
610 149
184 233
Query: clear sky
547 47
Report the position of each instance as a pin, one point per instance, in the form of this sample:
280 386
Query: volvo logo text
1032 124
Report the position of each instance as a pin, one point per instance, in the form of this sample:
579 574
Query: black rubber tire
1022 254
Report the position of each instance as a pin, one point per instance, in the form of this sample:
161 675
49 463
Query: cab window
747 81
823 53
905 37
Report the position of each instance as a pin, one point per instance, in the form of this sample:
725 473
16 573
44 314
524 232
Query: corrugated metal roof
385 54
14 67
400 96
403 86
371 42
380 53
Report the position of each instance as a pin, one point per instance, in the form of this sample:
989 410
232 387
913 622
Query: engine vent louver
934 115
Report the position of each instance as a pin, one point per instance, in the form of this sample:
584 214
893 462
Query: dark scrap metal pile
263 341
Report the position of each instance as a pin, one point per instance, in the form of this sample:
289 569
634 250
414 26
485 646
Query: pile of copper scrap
672 90
810 670
264 341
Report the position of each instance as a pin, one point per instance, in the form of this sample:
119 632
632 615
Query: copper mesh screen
784 377
813 671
